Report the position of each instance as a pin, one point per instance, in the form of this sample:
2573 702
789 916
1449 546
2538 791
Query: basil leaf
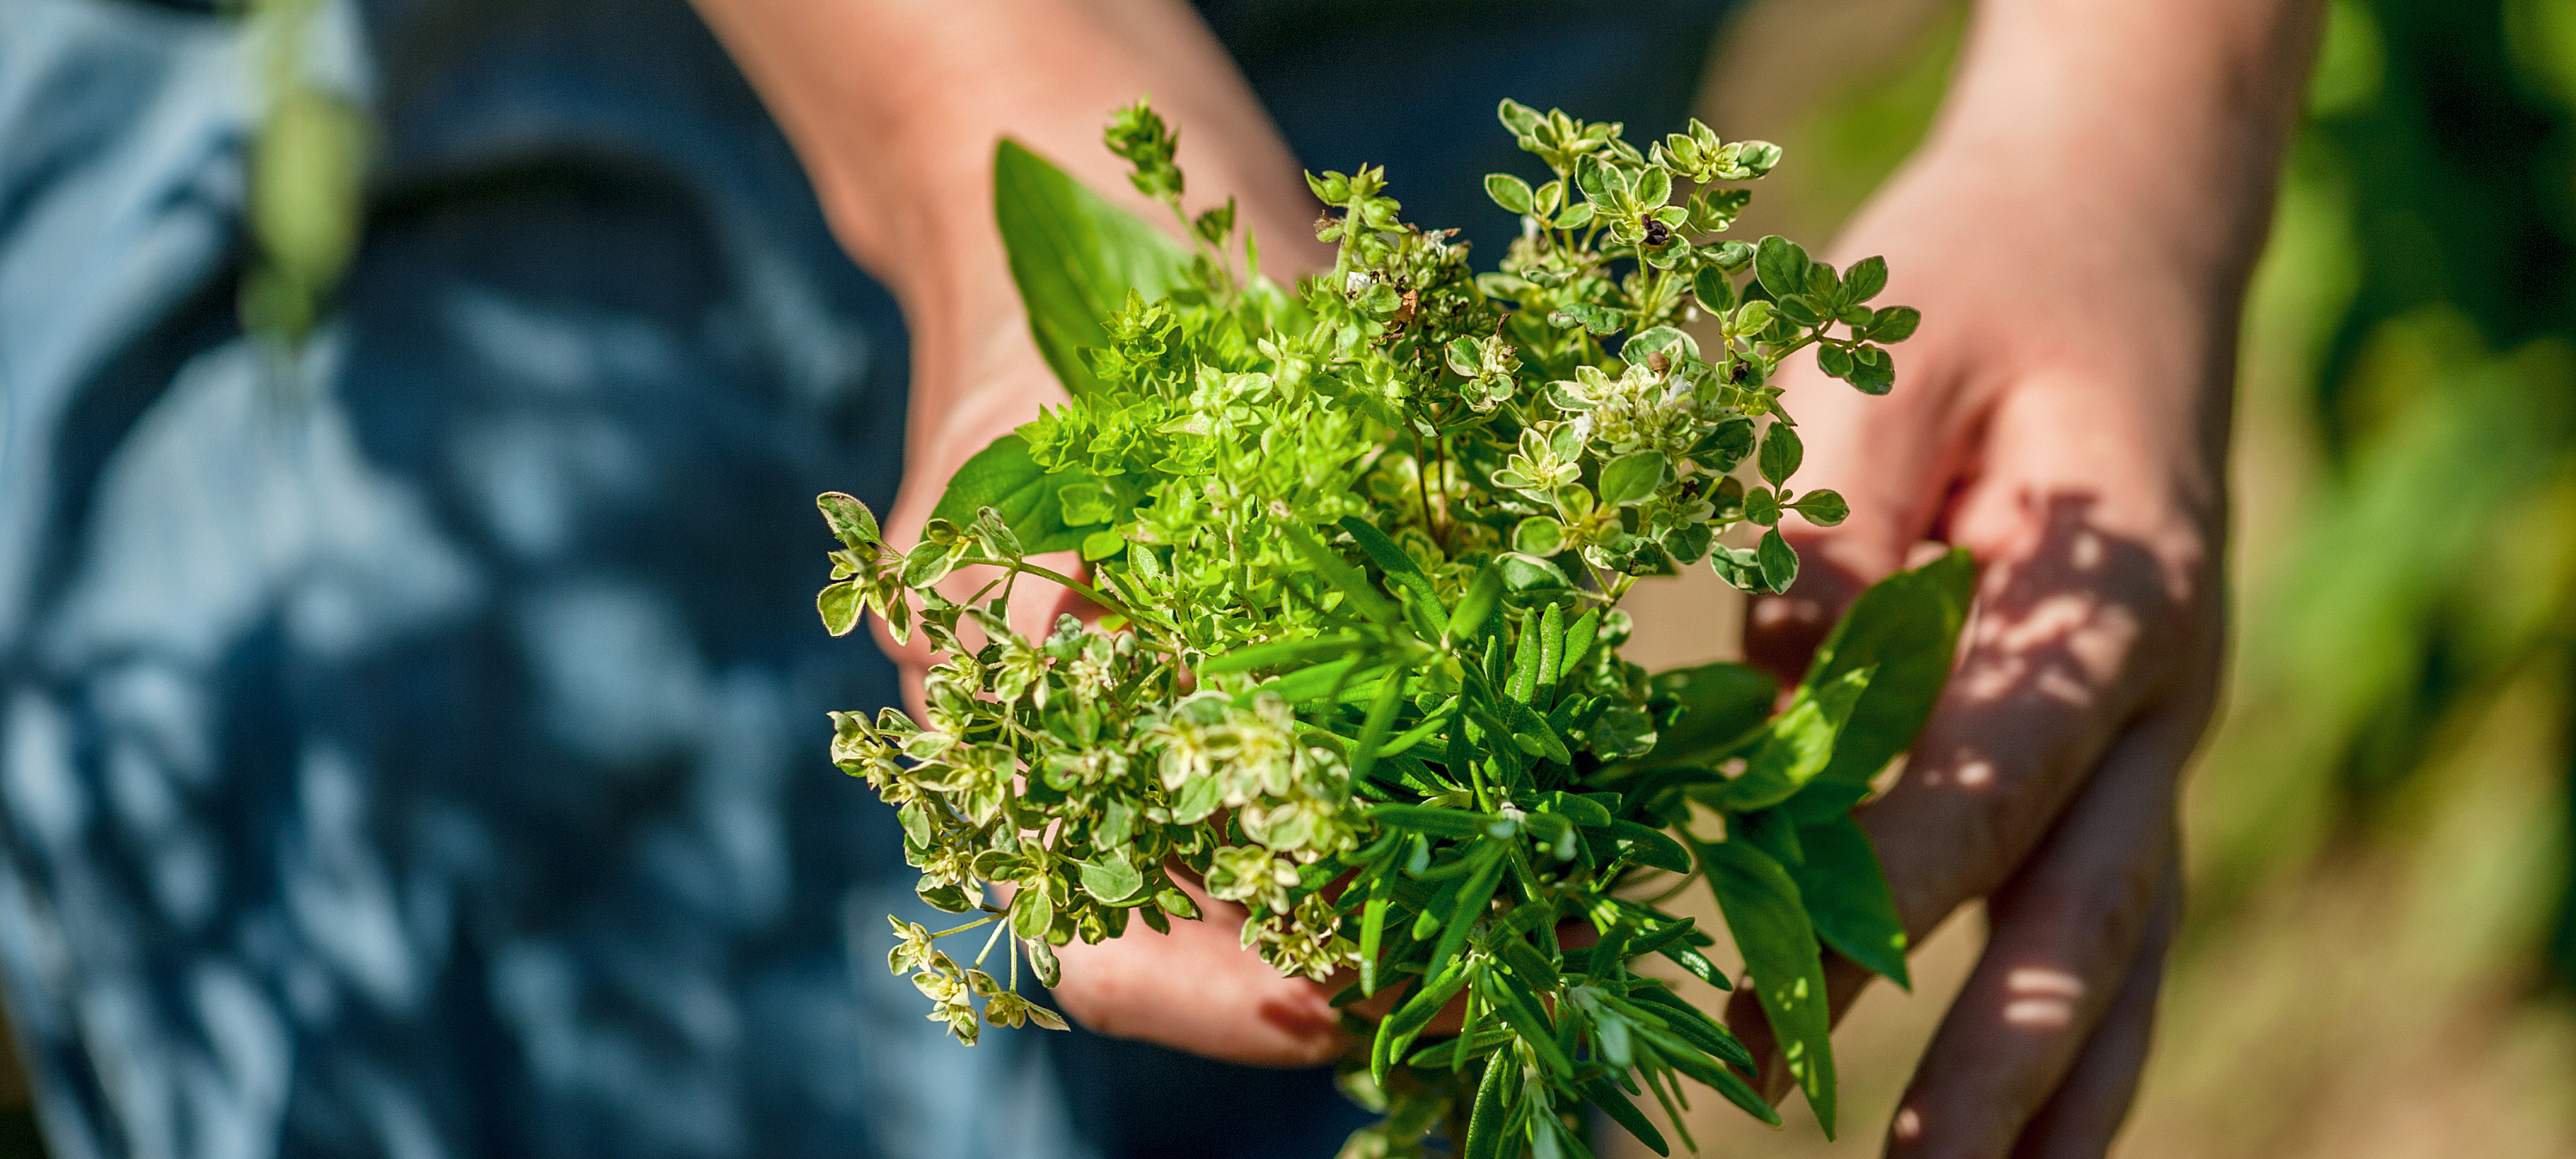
1906 627
1004 478
1796 745
1720 703
1847 898
1769 920
1074 256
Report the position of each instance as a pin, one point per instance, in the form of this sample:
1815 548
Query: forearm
894 107
2168 117
2112 165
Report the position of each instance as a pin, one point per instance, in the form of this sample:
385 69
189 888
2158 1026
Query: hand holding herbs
1358 549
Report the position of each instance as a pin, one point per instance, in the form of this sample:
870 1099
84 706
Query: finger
2049 668
2063 934
2084 1115
1198 989
2071 638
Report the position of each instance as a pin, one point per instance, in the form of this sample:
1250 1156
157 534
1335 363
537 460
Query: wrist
2163 120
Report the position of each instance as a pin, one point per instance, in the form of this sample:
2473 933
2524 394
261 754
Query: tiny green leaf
850 520
1631 479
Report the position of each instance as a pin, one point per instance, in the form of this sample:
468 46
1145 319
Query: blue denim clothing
418 750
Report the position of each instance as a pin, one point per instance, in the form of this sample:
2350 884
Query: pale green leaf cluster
1359 549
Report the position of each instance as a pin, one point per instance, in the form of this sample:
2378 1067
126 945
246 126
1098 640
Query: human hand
2077 233
2060 414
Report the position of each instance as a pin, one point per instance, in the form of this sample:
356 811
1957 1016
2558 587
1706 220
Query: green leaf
1381 893
1399 1028
1796 745
1004 478
1460 921
1682 1057
1893 323
1510 192
1110 878
1281 653
1597 319
1433 820
1848 900
840 606
1485 1116
1692 1026
1400 569
1381 718
1615 1104
1031 913
1782 451
1075 256
1720 702
1769 920
1781 266
1523 573
1822 508
1338 572
1716 294
1689 958
1631 479
1865 279
1906 628
1779 563
1648 846
1474 607
1578 641
850 521
1873 376
1519 1005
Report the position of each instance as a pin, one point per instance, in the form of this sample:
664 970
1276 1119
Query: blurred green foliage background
2380 953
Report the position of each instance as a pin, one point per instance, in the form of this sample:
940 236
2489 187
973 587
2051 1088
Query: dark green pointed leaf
1357 592
1848 900
1615 1104
1649 846
1004 478
1281 653
1720 702
1401 571
1906 627
1765 913
1075 256
1479 602
1796 745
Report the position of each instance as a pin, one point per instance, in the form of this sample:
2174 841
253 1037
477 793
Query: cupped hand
1196 988
2060 414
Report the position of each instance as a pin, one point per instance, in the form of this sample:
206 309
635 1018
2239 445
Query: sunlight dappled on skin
2041 999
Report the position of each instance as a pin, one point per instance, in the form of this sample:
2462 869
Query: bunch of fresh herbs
1358 549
